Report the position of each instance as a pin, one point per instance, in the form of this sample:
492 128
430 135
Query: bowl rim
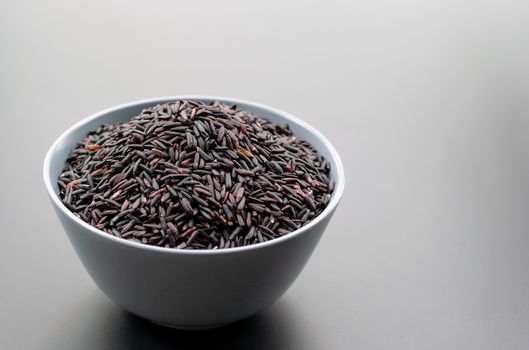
331 206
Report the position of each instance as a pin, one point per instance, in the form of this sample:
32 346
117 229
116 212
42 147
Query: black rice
194 175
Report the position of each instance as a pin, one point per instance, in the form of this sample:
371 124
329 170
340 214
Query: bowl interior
61 149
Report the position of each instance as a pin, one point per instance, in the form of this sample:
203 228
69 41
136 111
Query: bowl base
190 328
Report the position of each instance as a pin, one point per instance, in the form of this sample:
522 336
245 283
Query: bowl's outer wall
187 290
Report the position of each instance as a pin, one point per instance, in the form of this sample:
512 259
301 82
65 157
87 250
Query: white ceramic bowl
190 288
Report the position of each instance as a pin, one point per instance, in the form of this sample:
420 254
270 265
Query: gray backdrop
427 101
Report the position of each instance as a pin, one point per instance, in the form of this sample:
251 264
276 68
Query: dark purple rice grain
189 175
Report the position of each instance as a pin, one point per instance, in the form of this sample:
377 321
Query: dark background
427 102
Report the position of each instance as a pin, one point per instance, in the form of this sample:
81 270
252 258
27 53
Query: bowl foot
190 328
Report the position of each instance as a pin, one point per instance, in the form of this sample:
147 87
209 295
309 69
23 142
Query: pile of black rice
194 175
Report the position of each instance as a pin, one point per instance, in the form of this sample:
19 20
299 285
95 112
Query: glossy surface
427 106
